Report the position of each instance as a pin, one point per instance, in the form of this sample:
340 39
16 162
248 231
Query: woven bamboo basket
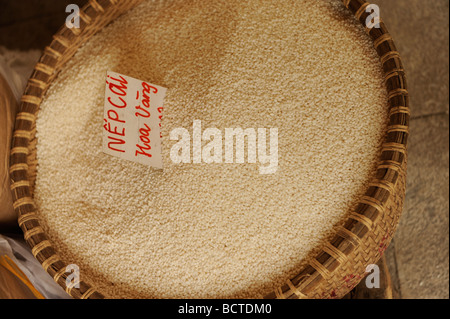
341 263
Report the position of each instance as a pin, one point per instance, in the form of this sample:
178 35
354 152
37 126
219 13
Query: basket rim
333 254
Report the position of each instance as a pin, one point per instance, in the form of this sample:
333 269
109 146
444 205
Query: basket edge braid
95 15
340 264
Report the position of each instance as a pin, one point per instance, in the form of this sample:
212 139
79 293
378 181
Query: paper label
132 120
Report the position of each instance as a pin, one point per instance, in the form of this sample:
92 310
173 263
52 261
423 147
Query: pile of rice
305 67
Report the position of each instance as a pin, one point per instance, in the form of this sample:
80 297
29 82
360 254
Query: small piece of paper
132 120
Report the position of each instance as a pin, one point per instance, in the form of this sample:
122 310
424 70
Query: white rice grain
305 67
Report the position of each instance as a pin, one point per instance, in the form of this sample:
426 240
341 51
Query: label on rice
132 120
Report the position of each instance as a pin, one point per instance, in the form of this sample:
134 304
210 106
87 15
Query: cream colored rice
305 67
